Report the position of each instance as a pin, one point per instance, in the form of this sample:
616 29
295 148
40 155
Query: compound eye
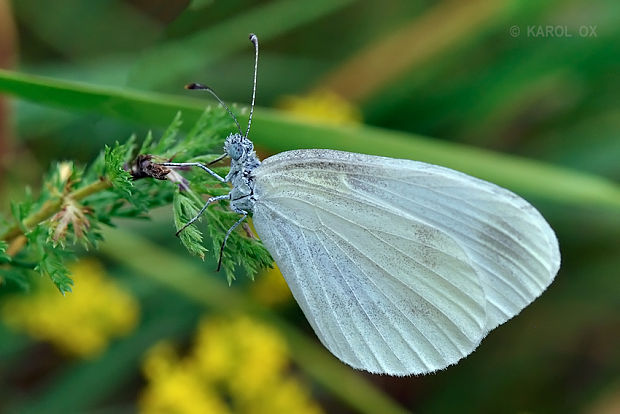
235 151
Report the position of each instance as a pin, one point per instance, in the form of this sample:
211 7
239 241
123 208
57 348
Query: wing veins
413 323
302 291
360 305
343 239
476 219
328 301
517 290
426 267
413 259
360 173
473 217
480 264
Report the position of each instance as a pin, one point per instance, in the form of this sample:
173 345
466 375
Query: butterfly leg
202 210
193 164
244 214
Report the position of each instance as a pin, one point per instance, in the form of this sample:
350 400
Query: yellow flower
81 323
246 355
286 396
159 361
270 288
322 107
181 392
236 365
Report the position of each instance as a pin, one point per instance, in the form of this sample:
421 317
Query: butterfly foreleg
244 214
194 164
202 210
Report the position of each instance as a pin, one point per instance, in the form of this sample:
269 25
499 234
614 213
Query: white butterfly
401 267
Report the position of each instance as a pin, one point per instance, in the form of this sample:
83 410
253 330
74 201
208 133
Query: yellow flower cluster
322 107
236 366
81 323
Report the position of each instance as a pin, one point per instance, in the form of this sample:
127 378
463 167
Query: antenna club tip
194 85
253 38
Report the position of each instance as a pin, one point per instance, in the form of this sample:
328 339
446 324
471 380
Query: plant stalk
47 210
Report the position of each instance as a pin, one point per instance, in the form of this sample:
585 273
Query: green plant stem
51 207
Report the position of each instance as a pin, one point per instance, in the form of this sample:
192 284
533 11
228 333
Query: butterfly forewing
511 246
401 267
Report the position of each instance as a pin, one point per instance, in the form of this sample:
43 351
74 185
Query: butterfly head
238 147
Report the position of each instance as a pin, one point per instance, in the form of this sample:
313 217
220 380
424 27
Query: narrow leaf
278 132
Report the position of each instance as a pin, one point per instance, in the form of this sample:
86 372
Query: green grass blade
141 107
528 177
208 46
276 131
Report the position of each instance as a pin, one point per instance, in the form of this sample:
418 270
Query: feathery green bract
146 144
241 252
74 202
115 159
20 210
168 140
52 265
184 208
50 259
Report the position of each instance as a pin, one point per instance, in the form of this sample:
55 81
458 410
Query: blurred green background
521 93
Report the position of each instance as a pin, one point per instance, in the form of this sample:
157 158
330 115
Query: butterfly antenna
202 87
218 159
254 40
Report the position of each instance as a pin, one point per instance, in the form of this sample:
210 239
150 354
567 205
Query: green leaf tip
184 208
52 265
115 159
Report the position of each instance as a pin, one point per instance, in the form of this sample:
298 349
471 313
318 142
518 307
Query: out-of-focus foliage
271 288
531 79
80 324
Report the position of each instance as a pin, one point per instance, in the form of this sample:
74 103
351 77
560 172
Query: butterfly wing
400 267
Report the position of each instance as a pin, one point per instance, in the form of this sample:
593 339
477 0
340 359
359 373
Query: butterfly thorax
243 161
